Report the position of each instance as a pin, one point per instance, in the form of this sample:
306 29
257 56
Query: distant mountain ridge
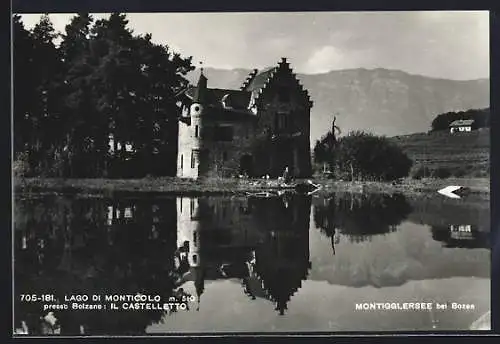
382 101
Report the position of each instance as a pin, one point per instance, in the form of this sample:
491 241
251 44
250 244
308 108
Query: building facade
257 130
462 125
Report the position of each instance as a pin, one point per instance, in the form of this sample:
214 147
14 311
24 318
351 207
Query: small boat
264 194
305 188
454 191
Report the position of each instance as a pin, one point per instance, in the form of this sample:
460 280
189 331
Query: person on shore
286 176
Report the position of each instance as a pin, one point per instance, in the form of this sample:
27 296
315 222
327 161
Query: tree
24 86
363 156
77 100
135 82
368 157
324 149
480 116
162 75
46 113
101 80
361 215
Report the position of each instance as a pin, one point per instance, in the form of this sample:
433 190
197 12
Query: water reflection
359 217
179 246
86 246
461 236
261 242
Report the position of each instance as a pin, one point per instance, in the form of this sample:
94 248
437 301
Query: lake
349 262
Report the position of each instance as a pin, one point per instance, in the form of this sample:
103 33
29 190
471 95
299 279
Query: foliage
324 149
102 79
443 121
361 215
364 156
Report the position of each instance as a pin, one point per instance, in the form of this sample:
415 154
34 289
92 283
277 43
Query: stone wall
295 150
223 158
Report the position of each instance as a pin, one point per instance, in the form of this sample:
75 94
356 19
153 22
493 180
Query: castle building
265 246
257 130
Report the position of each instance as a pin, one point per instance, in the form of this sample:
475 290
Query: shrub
365 156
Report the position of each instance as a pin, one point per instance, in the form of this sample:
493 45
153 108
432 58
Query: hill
385 102
462 154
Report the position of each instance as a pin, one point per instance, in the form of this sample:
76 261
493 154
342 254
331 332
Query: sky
444 44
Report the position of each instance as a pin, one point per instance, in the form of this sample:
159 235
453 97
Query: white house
461 125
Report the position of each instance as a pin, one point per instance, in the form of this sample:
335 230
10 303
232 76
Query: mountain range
381 101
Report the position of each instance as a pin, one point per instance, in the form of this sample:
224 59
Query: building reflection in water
264 243
173 246
153 246
462 236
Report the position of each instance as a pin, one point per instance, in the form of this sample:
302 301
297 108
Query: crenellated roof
246 97
256 83
260 80
249 79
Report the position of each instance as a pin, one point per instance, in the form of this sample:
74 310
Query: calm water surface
291 263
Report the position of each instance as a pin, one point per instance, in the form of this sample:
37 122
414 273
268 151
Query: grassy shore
459 155
175 186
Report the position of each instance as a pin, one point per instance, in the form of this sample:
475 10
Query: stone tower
188 228
190 143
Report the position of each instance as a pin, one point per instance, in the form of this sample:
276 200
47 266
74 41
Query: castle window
195 239
191 207
195 259
194 154
195 131
280 121
223 133
182 161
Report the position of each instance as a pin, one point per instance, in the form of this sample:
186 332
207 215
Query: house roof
260 79
230 115
461 122
246 97
224 98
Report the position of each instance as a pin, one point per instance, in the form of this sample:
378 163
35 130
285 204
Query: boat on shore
302 188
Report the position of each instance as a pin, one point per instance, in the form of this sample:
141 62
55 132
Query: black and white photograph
212 173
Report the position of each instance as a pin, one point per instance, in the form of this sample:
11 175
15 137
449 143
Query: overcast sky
453 45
